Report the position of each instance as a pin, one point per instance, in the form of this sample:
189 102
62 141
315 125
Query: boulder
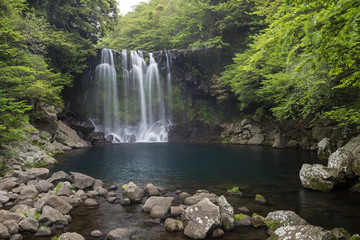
279 140
65 190
24 210
38 172
8 184
342 159
59 204
4 232
340 233
226 213
282 218
92 194
91 202
301 232
59 176
12 226
199 197
28 192
318 177
7 215
51 216
176 211
133 192
82 181
151 190
101 191
173 225
158 206
120 234
242 220
319 133
29 224
71 236
259 199
16 237
217 233
98 183
43 186
96 233
257 221
67 136
4 198
43 232
244 210
324 148
257 139
201 219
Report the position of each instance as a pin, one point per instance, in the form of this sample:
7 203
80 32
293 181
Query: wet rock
176 211
112 199
158 206
199 197
12 226
183 195
282 218
65 189
257 221
151 190
96 233
43 186
217 233
125 202
133 192
7 215
120 234
91 202
43 232
342 159
173 225
244 210
71 236
59 176
82 181
16 237
301 232
51 216
59 204
226 213
4 233
260 199
201 218
29 224
242 220
318 177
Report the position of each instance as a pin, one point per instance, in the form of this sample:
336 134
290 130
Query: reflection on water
270 172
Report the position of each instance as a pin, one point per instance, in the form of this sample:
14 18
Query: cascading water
134 110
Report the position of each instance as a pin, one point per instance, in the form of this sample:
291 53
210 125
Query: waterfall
134 106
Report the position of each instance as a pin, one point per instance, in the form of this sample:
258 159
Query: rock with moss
242 220
340 233
260 199
133 192
355 188
301 232
201 219
257 221
173 225
319 177
355 237
226 213
281 218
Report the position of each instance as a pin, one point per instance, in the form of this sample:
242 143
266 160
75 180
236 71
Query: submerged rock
242 220
201 218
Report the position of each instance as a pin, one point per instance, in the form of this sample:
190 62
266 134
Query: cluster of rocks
288 135
343 166
39 204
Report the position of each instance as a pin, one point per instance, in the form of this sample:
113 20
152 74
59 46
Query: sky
125 5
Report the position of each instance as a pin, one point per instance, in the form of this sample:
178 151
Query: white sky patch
126 5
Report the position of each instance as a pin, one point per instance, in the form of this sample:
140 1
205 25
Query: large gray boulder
120 234
44 186
257 139
65 190
51 216
201 219
8 183
71 236
151 190
199 197
29 224
324 148
282 218
28 192
67 136
38 172
82 181
158 206
342 159
226 213
58 204
7 215
133 192
301 232
59 176
4 232
12 226
319 177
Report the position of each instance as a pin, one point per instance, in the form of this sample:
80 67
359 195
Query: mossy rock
355 237
355 188
239 216
260 199
273 225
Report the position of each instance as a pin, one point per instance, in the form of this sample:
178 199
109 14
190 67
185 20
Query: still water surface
271 172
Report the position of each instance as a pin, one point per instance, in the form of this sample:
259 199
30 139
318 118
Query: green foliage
167 24
304 65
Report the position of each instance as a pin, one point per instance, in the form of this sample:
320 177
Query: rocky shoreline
41 205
